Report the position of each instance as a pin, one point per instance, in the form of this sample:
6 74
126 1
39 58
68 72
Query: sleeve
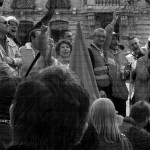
140 138
142 70
18 59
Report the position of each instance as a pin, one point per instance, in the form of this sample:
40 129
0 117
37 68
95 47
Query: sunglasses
5 22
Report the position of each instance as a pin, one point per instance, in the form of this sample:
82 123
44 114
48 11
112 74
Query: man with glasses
98 54
10 50
8 53
12 28
29 52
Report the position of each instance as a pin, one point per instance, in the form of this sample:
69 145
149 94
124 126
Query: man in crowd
133 126
12 28
98 54
67 35
52 112
119 89
129 63
29 52
9 53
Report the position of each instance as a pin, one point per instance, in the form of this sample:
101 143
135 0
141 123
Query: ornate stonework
23 4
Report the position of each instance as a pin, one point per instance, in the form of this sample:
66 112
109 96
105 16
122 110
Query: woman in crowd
103 118
63 51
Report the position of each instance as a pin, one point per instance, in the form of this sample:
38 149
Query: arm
109 29
45 45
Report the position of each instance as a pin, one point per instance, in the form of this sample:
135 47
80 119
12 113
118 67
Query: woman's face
65 50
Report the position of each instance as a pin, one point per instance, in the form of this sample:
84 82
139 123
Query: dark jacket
139 137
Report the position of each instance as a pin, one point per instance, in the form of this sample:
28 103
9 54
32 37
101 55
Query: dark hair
8 88
70 106
32 34
32 115
63 32
139 111
57 49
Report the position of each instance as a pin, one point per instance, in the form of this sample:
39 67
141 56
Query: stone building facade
134 16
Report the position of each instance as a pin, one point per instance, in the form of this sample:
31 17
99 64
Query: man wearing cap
119 89
10 50
12 28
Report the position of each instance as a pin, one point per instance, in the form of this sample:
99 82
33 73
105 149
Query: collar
101 50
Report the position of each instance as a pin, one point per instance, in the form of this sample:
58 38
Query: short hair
63 32
70 103
139 111
32 33
57 49
103 118
98 30
32 115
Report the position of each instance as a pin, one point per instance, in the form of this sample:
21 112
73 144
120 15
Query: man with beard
119 89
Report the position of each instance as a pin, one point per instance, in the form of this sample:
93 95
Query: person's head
99 37
134 44
140 112
67 35
3 25
33 36
7 91
70 106
63 48
30 115
13 24
114 41
103 118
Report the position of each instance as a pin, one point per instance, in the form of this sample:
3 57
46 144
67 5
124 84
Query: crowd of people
49 108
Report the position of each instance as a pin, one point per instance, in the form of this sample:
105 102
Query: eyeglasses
5 22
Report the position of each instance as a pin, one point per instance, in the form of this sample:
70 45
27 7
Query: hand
8 60
115 18
50 42
43 28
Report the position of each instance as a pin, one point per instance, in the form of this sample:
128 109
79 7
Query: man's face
12 28
114 43
99 38
3 25
134 45
34 39
68 36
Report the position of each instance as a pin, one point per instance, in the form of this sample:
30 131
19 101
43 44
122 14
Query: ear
11 115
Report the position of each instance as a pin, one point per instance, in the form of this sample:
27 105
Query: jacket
119 89
139 137
142 80
13 53
28 55
99 66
